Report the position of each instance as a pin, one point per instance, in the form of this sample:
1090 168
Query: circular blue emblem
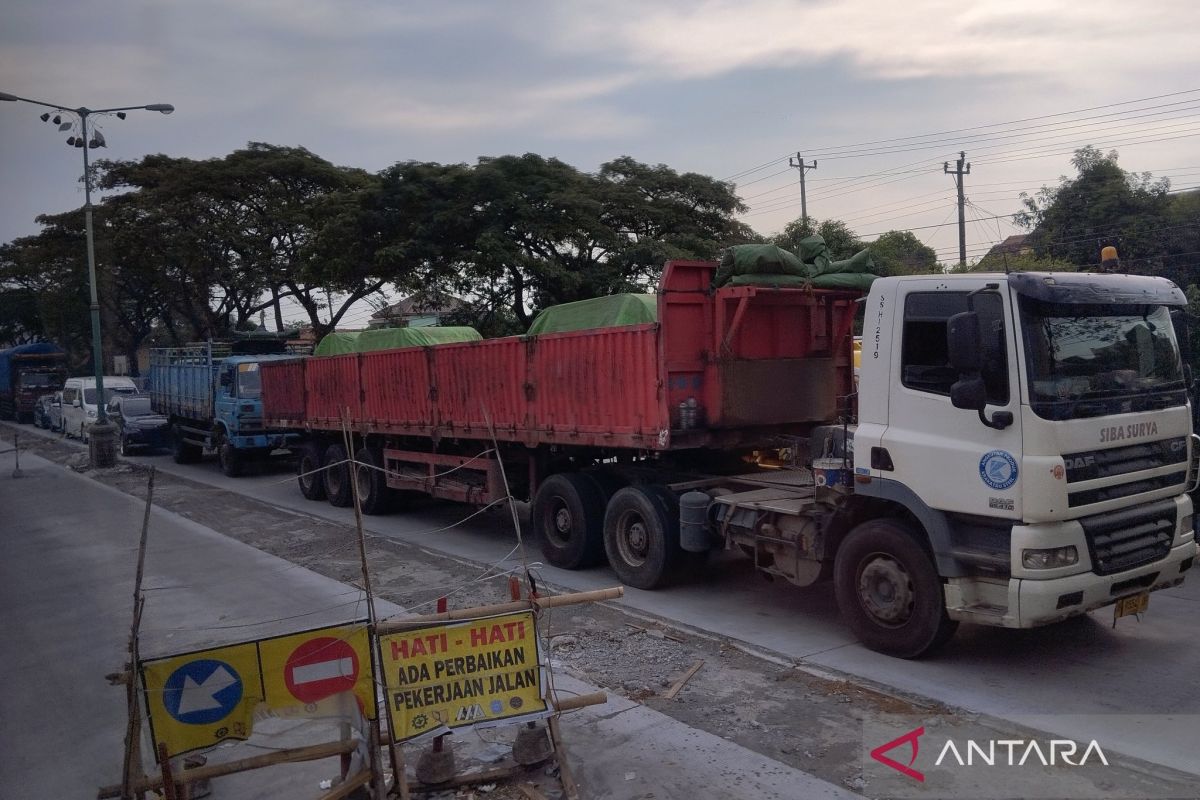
202 691
998 469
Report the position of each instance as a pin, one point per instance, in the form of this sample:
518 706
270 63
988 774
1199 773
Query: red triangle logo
909 738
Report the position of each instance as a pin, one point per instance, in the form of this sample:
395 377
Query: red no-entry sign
319 668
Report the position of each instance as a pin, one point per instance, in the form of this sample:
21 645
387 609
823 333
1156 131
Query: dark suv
137 425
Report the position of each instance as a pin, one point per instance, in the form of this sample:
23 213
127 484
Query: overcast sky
714 87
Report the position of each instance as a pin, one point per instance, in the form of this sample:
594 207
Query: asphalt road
1141 676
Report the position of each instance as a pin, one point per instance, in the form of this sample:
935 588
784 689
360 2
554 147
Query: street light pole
101 434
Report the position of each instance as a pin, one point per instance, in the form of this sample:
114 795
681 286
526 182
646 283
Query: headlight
91 413
1050 558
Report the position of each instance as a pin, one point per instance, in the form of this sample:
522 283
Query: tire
311 482
337 478
124 446
641 537
568 519
374 495
232 462
889 592
83 434
182 451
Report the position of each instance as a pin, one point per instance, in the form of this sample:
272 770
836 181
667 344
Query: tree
1105 205
520 233
902 253
842 241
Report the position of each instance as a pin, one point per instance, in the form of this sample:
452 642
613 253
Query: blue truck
212 395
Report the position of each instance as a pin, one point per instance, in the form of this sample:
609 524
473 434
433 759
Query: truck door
946 455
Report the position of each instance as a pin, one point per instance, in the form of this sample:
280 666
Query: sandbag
757 259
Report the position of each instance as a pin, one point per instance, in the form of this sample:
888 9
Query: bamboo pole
566 704
538 603
133 729
347 786
294 755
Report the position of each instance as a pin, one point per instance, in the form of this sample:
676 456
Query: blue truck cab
214 402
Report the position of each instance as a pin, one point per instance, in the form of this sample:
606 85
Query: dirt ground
809 720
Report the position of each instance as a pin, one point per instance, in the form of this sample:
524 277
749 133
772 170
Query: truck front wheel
568 518
337 477
641 536
232 462
889 592
309 475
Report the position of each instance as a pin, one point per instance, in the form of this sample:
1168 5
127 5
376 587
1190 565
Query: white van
79 401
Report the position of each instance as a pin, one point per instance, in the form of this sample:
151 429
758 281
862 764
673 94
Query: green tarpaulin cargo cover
597 312
340 342
768 265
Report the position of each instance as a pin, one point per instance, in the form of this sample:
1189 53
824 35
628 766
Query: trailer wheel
312 482
568 518
337 477
182 451
374 495
889 591
641 536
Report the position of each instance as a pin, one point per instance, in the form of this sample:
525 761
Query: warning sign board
473 673
306 668
199 699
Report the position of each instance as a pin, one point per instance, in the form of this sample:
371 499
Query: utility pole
798 163
962 169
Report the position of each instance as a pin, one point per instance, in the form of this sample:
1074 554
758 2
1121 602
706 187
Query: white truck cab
1037 427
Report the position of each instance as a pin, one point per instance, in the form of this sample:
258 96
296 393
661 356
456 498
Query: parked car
137 425
79 401
54 415
41 411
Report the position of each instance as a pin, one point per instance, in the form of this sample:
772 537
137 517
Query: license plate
1134 604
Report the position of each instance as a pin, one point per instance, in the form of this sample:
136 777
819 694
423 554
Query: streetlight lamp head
45 117
12 98
120 115
162 108
70 141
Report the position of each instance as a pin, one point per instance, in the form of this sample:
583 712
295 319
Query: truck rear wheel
337 477
889 592
308 474
568 519
641 536
374 495
182 451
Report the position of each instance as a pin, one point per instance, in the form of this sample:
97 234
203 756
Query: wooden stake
570 788
168 781
348 785
553 601
488 776
133 727
679 684
295 755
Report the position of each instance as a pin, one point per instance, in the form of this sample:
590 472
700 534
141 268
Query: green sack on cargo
757 259
844 280
598 312
341 342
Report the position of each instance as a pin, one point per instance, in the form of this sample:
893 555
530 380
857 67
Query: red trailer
589 425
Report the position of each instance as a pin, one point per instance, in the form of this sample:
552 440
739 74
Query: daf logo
1080 462
1177 444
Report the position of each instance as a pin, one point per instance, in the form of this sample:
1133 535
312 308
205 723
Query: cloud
890 40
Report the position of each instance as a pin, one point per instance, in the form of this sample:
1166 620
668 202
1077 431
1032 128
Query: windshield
249 382
1090 360
136 407
40 380
89 395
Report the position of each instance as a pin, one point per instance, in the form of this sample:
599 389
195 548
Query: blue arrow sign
202 691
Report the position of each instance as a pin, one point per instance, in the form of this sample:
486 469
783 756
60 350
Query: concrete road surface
67 561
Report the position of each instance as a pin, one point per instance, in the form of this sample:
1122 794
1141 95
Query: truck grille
1117 461
1121 540
1121 460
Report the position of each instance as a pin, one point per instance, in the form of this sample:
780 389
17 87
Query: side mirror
226 379
969 394
963 342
